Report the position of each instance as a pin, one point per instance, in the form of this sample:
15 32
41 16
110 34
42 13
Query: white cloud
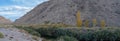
13 12
19 8
7 13
28 2
14 7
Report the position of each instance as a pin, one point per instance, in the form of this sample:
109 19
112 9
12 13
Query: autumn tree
94 22
86 23
102 23
78 18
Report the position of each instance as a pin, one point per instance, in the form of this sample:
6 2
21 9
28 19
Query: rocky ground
13 34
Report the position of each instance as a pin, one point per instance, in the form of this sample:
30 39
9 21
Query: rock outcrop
65 11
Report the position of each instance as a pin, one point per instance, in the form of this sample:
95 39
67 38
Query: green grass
1 35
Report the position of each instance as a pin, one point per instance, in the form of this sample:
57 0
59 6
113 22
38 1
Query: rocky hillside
65 11
4 20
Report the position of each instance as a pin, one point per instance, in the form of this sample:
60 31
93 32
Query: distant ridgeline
4 20
89 13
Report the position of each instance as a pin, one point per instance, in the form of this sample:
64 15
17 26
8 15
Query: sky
14 9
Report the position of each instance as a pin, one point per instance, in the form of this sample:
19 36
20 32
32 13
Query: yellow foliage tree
102 23
86 23
79 21
94 22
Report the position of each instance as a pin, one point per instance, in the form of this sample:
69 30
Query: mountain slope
65 11
4 20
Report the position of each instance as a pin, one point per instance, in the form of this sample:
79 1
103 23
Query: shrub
105 35
32 31
29 29
117 34
47 32
64 32
66 38
83 34
55 32
1 35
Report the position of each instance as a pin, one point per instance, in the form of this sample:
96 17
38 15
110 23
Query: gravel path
13 34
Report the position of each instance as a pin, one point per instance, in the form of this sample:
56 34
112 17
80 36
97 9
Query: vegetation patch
66 38
78 34
30 30
1 35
